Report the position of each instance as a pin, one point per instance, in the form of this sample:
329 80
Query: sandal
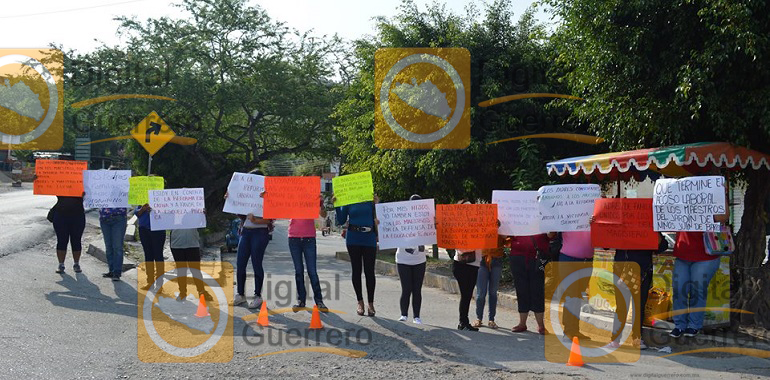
519 328
492 325
360 310
371 310
477 324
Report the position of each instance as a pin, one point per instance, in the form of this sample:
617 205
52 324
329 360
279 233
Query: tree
507 58
660 73
246 87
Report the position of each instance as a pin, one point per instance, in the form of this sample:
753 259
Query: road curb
98 252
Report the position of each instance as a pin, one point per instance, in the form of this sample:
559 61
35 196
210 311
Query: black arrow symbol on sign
154 128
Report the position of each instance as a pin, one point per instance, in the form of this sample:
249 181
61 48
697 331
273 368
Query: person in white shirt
411 271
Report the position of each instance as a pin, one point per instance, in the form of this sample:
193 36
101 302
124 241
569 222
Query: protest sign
292 197
623 224
106 188
353 188
406 224
467 226
243 194
688 204
139 188
177 209
59 177
567 207
518 212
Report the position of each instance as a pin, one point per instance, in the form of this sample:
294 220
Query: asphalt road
85 326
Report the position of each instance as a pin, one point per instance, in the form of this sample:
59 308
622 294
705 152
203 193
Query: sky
83 25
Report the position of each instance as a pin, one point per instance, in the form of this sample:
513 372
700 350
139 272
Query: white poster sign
688 204
177 209
406 224
243 194
567 207
518 212
106 188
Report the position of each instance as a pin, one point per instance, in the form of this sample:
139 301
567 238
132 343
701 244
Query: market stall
673 161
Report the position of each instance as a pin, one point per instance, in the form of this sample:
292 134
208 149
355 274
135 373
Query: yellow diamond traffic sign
152 133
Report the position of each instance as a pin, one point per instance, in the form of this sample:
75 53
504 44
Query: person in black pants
410 263
466 274
152 245
529 278
69 222
361 241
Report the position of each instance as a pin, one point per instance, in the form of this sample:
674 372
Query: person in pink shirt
576 246
302 245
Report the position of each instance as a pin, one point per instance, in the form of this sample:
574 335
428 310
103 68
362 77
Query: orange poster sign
59 177
623 224
292 197
467 226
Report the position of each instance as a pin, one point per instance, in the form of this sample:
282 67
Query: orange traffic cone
262 319
575 358
203 311
315 319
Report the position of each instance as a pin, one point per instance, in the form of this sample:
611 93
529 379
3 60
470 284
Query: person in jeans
488 280
410 262
693 271
69 222
361 241
152 245
113 224
252 245
577 248
529 278
186 249
302 245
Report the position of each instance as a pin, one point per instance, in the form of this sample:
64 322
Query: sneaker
402 318
76 268
467 327
256 304
691 332
614 344
299 306
60 269
239 300
417 321
642 345
322 308
107 275
115 278
675 333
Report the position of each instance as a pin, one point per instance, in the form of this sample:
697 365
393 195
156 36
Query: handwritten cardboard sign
567 207
106 188
292 197
406 224
353 188
688 204
623 224
518 211
59 177
177 209
243 194
467 226
139 189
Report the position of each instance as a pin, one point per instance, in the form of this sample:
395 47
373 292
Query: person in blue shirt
152 244
361 241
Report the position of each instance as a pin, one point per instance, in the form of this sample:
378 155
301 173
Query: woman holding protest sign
576 248
488 280
302 245
152 245
69 221
361 241
465 268
529 254
410 262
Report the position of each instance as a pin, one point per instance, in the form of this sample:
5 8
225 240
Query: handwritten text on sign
567 207
59 177
292 197
177 209
623 224
353 188
106 188
243 194
688 204
467 226
139 189
518 211
406 224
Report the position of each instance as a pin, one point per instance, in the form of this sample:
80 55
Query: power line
70 10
